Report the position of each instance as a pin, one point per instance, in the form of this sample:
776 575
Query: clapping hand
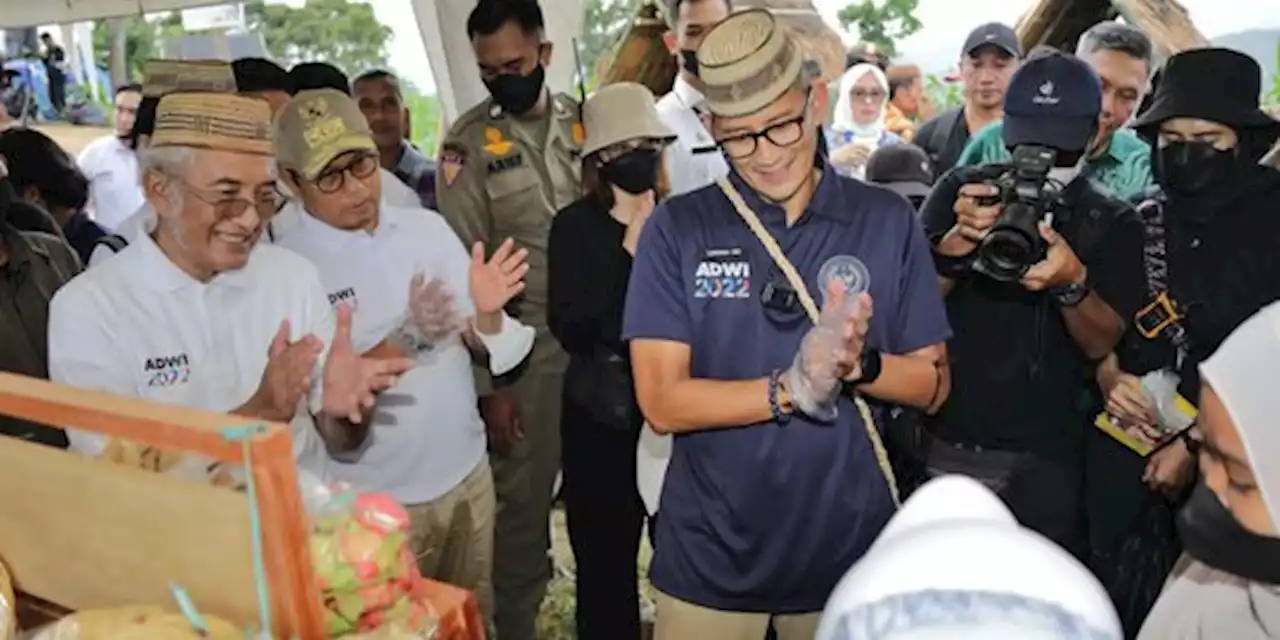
829 353
432 309
287 377
499 279
352 382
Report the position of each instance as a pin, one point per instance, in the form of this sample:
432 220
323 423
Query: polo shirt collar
159 271
320 231
825 201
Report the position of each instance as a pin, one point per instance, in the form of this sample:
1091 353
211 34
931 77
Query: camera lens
1006 254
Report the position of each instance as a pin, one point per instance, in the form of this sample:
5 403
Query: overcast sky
945 24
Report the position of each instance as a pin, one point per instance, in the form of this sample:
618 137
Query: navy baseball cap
1053 101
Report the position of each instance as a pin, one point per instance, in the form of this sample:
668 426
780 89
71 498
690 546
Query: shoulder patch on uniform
579 134
453 158
504 164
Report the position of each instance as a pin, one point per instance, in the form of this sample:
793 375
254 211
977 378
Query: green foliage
143 40
341 32
943 94
882 22
1272 97
424 119
603 24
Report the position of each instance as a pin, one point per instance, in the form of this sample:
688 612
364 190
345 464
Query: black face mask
689 60
1190 167
1212 535
635 172
517 94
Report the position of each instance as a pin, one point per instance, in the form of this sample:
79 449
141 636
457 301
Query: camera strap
811 309
1162 317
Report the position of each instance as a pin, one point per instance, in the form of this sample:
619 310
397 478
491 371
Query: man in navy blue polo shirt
776 485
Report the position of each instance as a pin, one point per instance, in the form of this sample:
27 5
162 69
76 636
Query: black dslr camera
1028 196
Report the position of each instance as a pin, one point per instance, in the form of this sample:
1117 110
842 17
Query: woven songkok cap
167 76
222 122
746 62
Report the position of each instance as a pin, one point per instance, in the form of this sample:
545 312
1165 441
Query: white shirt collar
688 94
322 232
160 272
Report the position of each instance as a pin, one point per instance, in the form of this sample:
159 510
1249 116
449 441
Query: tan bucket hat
746 62
619 112
317 126
223 122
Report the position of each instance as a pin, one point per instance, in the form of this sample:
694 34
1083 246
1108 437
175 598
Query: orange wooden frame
297 611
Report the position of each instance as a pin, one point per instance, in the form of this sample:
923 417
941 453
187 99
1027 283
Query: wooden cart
78 532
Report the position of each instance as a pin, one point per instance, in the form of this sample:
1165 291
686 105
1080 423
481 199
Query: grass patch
555 620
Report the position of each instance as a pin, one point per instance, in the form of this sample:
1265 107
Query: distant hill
1260 44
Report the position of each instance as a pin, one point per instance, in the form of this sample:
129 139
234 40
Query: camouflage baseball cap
317 126
746 62
223 122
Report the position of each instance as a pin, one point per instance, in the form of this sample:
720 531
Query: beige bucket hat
619 112
746 62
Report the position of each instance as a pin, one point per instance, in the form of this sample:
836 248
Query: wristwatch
871 364
1071 295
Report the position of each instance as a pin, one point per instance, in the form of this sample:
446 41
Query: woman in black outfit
591 246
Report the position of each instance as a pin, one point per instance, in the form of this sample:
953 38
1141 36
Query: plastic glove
432 310
813 379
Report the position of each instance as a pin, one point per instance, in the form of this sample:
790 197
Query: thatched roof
818 40
1060 23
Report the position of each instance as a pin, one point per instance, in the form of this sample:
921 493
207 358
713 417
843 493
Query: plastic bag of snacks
134 623
368 577
8 614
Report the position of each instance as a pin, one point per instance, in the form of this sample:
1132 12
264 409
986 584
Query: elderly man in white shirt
693 161
200 314
407 272
111 166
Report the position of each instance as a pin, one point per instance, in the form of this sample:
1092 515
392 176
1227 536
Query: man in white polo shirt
199 314
400 267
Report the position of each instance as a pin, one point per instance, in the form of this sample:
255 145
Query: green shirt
1124 170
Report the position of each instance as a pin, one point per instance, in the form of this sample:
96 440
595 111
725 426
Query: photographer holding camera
1040 270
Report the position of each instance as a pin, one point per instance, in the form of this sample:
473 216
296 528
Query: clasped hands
1060 266
829 353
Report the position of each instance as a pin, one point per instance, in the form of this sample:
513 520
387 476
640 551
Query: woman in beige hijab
1227 586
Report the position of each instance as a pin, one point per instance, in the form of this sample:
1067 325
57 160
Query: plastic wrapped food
8 615
368 578
133 623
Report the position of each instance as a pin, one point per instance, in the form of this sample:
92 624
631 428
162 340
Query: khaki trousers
680 620
452 536
524 474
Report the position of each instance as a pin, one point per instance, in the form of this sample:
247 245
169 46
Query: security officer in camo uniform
506 167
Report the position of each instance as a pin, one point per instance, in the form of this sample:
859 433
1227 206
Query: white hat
954 561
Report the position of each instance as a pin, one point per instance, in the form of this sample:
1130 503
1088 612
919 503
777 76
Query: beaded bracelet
775 380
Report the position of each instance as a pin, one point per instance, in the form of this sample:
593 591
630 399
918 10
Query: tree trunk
119 54
1166 22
